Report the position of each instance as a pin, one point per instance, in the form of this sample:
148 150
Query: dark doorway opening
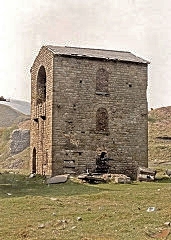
102 165
34 161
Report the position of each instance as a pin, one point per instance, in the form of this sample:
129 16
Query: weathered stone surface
82 107
146 174
20 139
168 172
57 179
117 178
122 179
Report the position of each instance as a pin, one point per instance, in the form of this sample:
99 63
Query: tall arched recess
102 78
34 162
41 85
102 120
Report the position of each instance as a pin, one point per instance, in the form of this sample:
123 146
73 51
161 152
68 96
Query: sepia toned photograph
85 120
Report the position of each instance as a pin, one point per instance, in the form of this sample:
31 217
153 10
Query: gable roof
96 53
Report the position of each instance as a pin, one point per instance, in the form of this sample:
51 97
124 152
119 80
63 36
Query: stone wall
41 115
66 134
75 104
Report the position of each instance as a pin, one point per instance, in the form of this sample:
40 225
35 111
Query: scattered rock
32 175
94 177
58 179
64 221
151 209
121 178
146 174
9 194
167 224
41 226
53 199
168 172
79 219
162 234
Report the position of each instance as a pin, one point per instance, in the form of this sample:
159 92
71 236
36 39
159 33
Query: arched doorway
34 161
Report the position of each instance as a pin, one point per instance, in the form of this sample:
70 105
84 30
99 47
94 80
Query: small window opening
36 120
129 84
34 161
43 117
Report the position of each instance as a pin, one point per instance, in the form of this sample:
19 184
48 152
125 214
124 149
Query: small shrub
151 119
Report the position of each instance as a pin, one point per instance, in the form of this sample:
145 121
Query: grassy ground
30 209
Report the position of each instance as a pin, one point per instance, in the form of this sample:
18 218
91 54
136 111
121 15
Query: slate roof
96 53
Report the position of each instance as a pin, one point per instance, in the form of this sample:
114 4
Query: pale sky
140 26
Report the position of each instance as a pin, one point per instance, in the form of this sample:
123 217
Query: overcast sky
140 26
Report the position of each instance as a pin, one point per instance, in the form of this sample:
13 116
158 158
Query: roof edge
49 47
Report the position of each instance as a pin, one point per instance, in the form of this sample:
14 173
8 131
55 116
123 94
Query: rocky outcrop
20 139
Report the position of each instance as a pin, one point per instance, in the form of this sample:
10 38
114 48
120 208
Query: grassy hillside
11 119
19 161
160 137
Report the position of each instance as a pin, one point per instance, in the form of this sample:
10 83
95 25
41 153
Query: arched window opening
102 77
34 161
41 85
102 120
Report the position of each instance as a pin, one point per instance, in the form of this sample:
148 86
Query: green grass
35 210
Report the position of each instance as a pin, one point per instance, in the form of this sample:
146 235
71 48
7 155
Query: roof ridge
108 54
88 48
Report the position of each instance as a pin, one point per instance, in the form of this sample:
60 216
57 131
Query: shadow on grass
163 180
16 185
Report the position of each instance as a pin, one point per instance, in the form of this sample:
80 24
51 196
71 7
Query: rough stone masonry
87 104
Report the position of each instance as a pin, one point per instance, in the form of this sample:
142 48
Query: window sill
107 133
102 93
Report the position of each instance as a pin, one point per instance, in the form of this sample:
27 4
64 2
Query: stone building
87 106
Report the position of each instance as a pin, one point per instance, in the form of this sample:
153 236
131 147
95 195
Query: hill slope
160 136
10 116
21 106
159 121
